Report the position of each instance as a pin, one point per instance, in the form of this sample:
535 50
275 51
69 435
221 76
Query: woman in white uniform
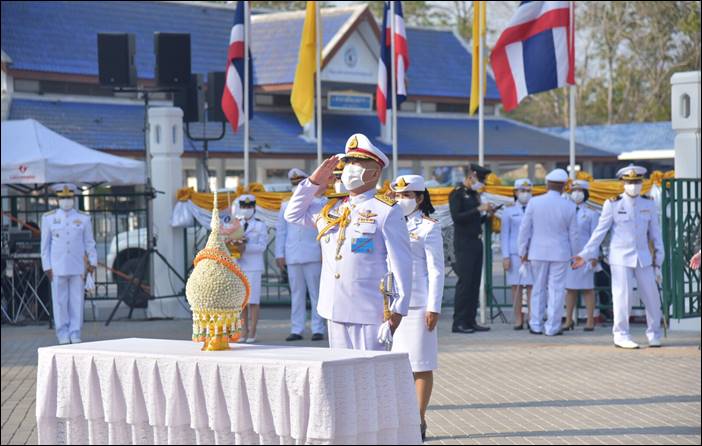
516 276
416 334
251 261
582 279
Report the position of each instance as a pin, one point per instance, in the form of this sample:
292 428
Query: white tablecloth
152 391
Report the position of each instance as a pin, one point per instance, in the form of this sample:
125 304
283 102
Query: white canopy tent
33 154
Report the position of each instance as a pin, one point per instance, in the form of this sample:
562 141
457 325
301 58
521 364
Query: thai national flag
535 52
233 95
382 100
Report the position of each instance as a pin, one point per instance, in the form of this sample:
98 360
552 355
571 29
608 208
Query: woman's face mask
66 203
633 189
352 176
408 205
523 196
578 196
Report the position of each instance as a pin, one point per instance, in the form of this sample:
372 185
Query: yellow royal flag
478 31
302 97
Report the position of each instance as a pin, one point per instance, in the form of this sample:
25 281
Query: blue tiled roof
103 126
61 37
620 138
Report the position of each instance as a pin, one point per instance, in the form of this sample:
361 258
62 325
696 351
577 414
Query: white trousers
548 277
623 298
304 277
354 336
67 306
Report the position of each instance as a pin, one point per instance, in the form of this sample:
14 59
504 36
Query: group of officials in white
338 248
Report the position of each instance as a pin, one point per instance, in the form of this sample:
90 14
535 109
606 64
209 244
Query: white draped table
153 391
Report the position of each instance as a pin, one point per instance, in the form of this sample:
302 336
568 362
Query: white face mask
633 189
246 213
578 196
339 187
352 176
408 205
524 197
476 186
66 204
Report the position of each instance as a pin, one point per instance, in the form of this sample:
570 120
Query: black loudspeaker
172 52
191 99
116 60
215 87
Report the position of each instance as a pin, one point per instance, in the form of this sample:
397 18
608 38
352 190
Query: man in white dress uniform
633 220
66 238
547 238
297 251
360 234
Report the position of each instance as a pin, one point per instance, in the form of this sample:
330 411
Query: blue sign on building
350 101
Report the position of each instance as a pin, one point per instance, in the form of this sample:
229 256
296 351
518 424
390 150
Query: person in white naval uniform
582 279
360 235
547 239
297 251
517 276
66 239
417 335
251 262
633 222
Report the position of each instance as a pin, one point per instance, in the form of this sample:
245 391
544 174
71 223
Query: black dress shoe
462 329
317 337
423 429
477 327
518 327
294 337
534 332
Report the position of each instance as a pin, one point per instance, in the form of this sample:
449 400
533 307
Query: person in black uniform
468 215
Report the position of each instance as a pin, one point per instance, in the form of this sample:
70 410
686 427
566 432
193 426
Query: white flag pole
481 82
571 101
246 92
393 87
318 51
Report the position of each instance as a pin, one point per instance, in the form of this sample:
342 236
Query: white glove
385 335
90 283
659 275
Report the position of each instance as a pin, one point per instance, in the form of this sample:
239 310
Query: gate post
166 146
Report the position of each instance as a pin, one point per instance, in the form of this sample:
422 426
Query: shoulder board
433 220
646 197
84 213
258 219
385 199
617 198
339 195
50 212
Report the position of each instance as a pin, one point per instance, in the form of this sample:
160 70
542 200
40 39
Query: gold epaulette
339 195
50 212
617 198
385 199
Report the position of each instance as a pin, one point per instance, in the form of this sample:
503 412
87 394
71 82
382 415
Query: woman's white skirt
513 277
580 279
413 337
255 282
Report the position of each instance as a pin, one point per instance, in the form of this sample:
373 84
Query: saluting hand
325 172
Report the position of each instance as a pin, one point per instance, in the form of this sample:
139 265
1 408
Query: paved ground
501 387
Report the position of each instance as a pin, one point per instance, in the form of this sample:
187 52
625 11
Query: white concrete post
166 147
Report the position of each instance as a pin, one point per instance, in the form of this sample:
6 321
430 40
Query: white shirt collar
356 199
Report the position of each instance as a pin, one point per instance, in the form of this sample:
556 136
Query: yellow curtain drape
600 191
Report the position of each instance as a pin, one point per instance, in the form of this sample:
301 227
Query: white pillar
165 140
685 111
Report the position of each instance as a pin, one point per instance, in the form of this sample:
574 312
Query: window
233 178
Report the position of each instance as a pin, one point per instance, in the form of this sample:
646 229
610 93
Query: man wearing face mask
516 276
252 248
360 235
297 251
633 220
547 240
468 215
66 238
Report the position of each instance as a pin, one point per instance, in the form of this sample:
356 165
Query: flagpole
481 80
393 87
481 140
318 51
246 93
571 101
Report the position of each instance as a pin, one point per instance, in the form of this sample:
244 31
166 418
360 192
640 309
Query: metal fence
119 218
681 238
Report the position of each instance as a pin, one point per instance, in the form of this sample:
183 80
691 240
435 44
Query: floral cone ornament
217 291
